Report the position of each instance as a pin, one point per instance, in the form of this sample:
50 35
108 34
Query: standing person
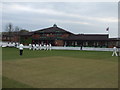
114 51
30 46
37 46
9 44
21 49
44 47
17 45
33 46
13 44
50 46
81 47
40 47
47 46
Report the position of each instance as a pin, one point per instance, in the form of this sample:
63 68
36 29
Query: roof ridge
53 28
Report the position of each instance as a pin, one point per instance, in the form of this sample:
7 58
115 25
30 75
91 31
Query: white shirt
13 44
37 45
40 45
114 49
33 45
30 45
21 47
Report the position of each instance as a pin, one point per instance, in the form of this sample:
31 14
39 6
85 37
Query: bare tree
9 27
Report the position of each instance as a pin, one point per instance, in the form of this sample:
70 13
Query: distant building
14 37
60 37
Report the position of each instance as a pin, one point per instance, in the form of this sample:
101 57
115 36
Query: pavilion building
60 37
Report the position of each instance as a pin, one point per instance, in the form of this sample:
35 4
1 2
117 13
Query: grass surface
13 54
59 69
10 83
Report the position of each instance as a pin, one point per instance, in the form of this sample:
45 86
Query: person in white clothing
37 47
21 49
40 47
44 47
17 45
30 46
114 51
47 46
13 44
9 44
34 47
50 46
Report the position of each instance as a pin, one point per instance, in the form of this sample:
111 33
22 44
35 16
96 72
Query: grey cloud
77 17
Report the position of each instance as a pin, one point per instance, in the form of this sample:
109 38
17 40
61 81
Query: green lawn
10 83
59 69
13 54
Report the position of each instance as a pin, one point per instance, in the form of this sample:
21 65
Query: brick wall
36 36
59 42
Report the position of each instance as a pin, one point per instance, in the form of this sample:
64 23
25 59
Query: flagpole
107 31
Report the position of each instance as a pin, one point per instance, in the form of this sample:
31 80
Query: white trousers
30 48
40 48
34 48
114 53
37 48
44 48
47 48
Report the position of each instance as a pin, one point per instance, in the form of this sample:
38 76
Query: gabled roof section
54 29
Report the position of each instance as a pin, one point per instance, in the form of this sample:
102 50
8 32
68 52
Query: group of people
9 44
35 47
49 47
12 44
40 47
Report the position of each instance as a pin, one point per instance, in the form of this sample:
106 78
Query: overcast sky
76 17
